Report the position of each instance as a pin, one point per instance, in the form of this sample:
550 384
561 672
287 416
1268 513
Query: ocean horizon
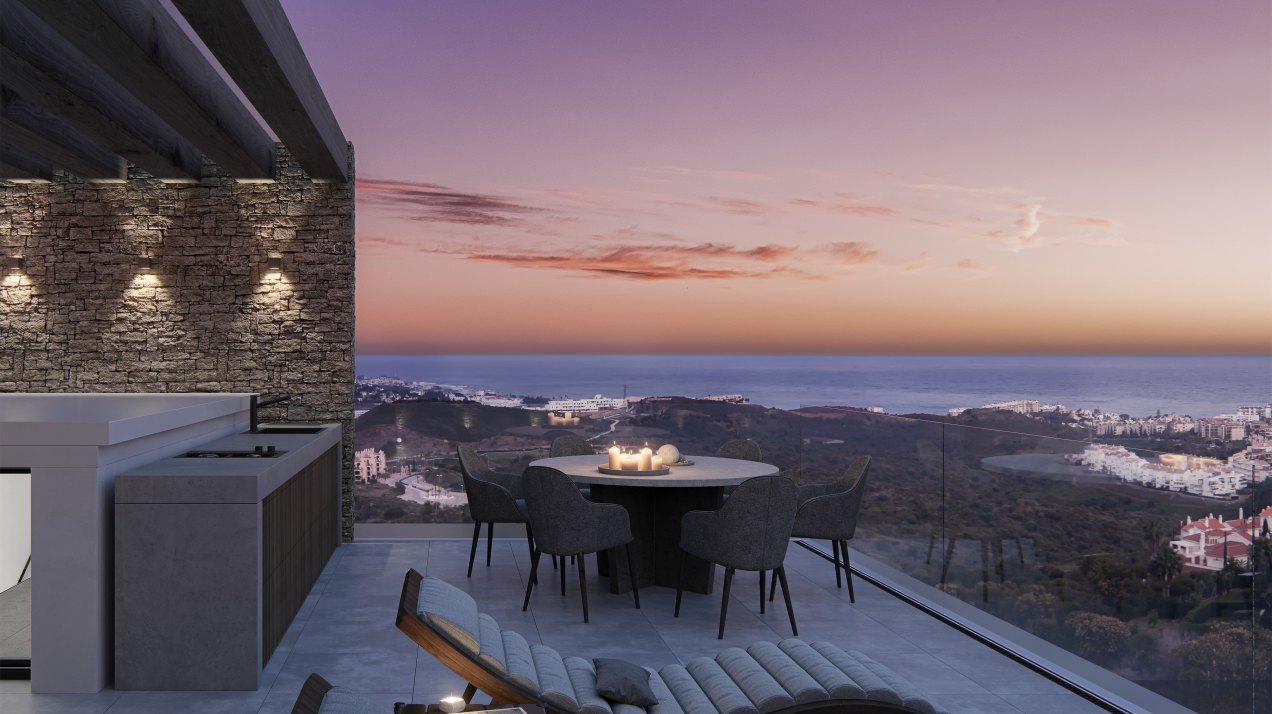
1139 385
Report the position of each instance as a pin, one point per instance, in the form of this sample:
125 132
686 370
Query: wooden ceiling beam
55 153
36 120
9 172
256 45
46 92
170 76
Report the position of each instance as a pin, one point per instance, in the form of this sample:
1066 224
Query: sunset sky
805 177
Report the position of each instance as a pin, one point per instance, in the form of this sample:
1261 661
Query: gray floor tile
13 703
1051 704
974 704
202 702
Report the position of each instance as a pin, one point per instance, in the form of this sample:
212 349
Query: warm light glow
14 279
145 280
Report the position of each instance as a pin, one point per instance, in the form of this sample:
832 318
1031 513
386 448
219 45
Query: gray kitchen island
216 549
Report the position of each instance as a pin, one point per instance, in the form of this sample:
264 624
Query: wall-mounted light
274 264
14 264
147 264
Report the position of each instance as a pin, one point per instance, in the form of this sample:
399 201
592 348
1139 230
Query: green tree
1099 638
1166 564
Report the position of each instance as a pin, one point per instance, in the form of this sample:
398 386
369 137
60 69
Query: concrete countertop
226 480
106 419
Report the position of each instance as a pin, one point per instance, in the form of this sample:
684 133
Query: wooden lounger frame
503 692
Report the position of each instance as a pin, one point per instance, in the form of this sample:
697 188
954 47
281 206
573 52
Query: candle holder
641 462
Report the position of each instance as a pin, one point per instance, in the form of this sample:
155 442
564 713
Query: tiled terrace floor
345 632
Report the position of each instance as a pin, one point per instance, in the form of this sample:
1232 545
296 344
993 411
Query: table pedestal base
655 515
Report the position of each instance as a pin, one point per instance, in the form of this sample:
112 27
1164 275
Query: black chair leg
786 595
680 581
563 576
838 580
852 596
631 573
761 592
583 587
530 545
772 587
534 569
472 553
490 536
724 603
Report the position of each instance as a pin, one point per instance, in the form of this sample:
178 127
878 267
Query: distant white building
1188 474
368 463
729 398
1206 542
1020 406
594 404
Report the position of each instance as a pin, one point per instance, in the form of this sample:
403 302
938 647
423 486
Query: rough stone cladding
84 316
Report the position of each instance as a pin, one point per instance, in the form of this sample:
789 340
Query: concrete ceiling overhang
90 86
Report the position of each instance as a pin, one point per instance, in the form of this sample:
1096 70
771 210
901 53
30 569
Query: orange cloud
852 252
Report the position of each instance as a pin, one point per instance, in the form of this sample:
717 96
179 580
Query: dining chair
751 531
570 445
493 497
565 523
829 511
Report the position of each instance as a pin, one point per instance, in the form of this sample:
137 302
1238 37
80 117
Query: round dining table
655 505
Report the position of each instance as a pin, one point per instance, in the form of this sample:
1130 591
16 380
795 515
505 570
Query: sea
1199 386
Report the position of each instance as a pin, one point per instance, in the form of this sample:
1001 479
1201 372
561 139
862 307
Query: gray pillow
621 681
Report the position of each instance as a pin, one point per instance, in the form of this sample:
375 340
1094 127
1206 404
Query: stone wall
87 314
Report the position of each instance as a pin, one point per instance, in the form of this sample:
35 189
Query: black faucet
257 402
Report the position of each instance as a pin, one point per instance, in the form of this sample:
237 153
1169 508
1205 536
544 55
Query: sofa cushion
621 681
554 680
492 645
750 676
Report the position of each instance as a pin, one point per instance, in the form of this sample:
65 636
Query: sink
286 430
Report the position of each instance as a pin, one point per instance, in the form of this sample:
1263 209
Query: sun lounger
785 677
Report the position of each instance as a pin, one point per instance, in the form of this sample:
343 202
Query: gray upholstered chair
493 497
751 531
570 445
829 511
740 449
565 523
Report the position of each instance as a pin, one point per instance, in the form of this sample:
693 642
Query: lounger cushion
519 661
452 612
339 700
554 680
492 644
621 681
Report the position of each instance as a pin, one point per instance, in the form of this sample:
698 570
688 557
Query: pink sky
825 177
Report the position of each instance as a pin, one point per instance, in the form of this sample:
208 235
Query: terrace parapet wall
87 313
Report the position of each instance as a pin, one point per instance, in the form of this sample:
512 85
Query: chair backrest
740 449
570 445
556 510
833 515
490 499
752 530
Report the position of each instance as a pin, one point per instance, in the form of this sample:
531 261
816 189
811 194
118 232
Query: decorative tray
632 472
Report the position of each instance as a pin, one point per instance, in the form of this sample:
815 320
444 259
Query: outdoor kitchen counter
214 556
226 480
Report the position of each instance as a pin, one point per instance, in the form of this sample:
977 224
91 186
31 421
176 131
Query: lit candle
631 462
658 462
646 459
615 457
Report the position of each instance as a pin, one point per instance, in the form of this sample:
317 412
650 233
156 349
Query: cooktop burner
260 452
